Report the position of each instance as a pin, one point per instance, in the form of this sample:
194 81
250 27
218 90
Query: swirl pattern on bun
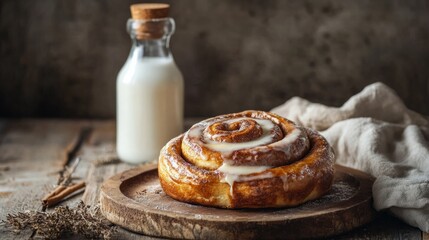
251 159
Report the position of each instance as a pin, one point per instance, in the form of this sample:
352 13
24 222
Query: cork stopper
149 11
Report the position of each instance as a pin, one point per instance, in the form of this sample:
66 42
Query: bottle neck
142 48
150 38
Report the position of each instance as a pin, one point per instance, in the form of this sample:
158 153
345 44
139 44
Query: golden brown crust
289 184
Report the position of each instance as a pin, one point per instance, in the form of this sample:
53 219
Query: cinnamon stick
56 191
60 193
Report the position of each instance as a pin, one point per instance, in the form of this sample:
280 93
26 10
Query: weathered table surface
34 151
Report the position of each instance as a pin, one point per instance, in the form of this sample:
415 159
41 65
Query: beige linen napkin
375 132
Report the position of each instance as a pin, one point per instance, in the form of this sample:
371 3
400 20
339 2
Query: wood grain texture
61 58
135 200
32 153
99 145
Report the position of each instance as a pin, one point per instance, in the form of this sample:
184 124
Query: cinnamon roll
251 159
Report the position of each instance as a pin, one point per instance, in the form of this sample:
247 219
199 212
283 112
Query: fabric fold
375 132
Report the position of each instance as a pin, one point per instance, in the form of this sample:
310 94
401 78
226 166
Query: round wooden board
134 200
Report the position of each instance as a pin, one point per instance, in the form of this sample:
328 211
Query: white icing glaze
225 147
283 145
230 179
241 170
241 173
257 145
244 178
285 180
194 132
288 139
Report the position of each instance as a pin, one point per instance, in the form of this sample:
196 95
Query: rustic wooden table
34 151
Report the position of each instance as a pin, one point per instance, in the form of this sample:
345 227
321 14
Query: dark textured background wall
60 58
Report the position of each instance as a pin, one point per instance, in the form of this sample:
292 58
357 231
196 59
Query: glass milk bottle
149 87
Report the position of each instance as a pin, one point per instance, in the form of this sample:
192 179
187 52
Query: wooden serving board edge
150 221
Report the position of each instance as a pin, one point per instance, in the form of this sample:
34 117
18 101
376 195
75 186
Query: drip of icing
230 179
238 173
285 180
